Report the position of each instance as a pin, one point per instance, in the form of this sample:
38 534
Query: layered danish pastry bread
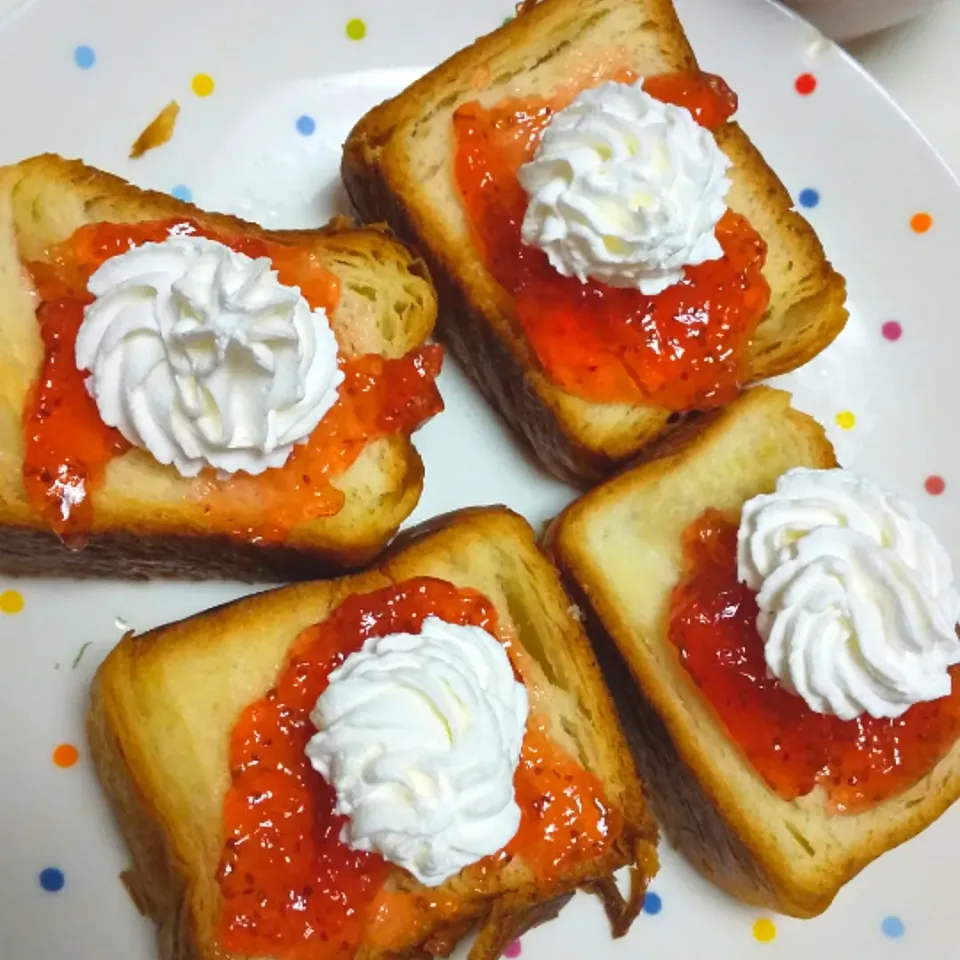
373 766
186 394
790 635
610 248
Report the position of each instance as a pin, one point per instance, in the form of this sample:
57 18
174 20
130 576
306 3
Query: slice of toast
387 306
398 167
163 706
621 546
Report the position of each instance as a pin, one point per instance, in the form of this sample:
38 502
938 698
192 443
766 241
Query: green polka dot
356 29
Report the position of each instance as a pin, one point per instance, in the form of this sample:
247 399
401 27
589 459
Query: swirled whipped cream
625 189
858 609
420 736
201 356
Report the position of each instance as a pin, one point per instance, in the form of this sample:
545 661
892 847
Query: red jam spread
68 447
859 762
290 887
682 349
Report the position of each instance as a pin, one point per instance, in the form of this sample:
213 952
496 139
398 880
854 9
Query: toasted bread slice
142 527
163 706
397 167
621 545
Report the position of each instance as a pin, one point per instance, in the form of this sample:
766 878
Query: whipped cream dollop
625 189
858 609
420 736
201 356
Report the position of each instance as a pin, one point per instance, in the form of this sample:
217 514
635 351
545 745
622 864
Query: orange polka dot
921 222
66 755
765 930
202 84
11 601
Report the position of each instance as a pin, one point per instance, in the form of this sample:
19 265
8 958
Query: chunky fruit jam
290 887
68 447
859 762
682 349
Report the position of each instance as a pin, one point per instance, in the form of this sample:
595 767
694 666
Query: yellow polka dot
846 420
202 84
765 930
11 601
356 29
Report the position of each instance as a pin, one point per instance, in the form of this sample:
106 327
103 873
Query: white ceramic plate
84 78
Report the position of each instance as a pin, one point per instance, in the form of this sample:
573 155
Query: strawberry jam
290 887
68 447
682 349
859 762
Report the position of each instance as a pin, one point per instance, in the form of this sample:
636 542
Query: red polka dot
934 485
891 330
806 83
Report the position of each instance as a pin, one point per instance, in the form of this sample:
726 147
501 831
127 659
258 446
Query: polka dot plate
267 92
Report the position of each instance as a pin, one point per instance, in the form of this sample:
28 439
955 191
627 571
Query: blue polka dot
84 57
306 125
652 903
892 927
809 197
52 879
182 192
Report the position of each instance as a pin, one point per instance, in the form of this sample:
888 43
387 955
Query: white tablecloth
919 63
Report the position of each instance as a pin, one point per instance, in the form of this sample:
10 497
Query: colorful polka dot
805 84
652 903
809 198
11 601
892 927
52 879
513 949
934 485
765 930
306 126
356 29
84 57
846 420
202 84
891 330
182 192
921 222
66 756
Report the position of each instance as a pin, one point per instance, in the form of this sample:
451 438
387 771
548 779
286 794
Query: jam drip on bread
290 888
68 447
682 349
858 763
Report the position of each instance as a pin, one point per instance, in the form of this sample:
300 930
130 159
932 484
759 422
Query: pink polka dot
891 330
934 485
513 949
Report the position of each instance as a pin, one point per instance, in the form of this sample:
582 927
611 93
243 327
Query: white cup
846 19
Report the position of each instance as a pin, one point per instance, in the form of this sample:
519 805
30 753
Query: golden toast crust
397 168
163 704
787 856
143 526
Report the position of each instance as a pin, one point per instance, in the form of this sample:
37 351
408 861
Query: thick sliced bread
143 524
163 706
621 546
397 167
